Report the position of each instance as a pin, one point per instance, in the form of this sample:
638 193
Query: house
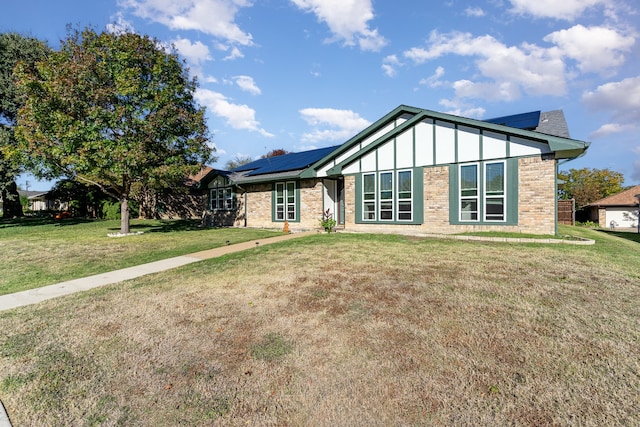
413 170
42 201
621 209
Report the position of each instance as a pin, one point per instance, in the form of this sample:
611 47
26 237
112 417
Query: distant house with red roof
621 209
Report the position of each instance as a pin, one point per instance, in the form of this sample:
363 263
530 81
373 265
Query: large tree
113 109
588 185
14 48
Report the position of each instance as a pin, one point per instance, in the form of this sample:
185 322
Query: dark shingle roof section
284 163
549 123
553 123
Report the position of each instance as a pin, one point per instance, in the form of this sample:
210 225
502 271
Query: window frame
462 197
386 198
371 201
225 203
487 196
286 200
509 197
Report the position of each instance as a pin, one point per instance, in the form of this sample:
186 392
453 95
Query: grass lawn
39 252
338 330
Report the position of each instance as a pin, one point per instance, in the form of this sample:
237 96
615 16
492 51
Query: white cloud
474 11
234 54
636 166
195 53
237 116
462 109
247 84
347 20
563 9
596 49
119 25
527 67
434 79
343 124
389 65
610 129
214 17
621 100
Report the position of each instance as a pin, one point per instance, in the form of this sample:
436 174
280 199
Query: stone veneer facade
536 204
258 201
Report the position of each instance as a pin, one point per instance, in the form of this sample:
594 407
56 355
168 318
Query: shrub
327 222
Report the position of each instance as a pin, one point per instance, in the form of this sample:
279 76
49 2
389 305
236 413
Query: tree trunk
124 215
11 206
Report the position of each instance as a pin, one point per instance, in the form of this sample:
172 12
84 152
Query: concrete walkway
33 296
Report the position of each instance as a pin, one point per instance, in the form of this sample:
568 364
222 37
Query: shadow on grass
166 226
628 235
42 220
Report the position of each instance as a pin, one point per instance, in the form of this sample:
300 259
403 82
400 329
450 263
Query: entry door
334 198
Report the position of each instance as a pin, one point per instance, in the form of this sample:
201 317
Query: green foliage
327 222
111 210
588 185
115 110
587 224
237 161
14 48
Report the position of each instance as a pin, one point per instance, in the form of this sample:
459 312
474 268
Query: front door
333 198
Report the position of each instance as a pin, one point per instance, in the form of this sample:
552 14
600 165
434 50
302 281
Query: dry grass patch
338 330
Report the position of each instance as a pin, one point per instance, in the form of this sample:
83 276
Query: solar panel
285 162
527 121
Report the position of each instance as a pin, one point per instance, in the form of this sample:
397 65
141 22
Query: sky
304 74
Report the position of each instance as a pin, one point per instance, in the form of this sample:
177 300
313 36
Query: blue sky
302 74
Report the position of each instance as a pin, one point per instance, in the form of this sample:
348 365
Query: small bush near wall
111 209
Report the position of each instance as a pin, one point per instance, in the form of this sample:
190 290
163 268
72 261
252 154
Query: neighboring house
412 170
41 201
621 208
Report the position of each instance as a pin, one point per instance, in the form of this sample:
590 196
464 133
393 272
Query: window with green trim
387 196
482 199
469 192
222 199
285 201
369 197
494 192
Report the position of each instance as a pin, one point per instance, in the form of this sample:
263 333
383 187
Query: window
482 197
222 199
387 196
469 193
494 192
405 202
369 197
285 198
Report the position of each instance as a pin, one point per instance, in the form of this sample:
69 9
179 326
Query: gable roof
624 198
563 147
204 176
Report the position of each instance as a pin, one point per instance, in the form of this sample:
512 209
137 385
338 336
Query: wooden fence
567 212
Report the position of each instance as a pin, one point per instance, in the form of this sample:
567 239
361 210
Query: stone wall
536 203
258 199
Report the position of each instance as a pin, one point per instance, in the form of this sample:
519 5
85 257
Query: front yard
39 252
342 329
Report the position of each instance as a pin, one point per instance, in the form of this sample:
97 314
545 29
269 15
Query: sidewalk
33 296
